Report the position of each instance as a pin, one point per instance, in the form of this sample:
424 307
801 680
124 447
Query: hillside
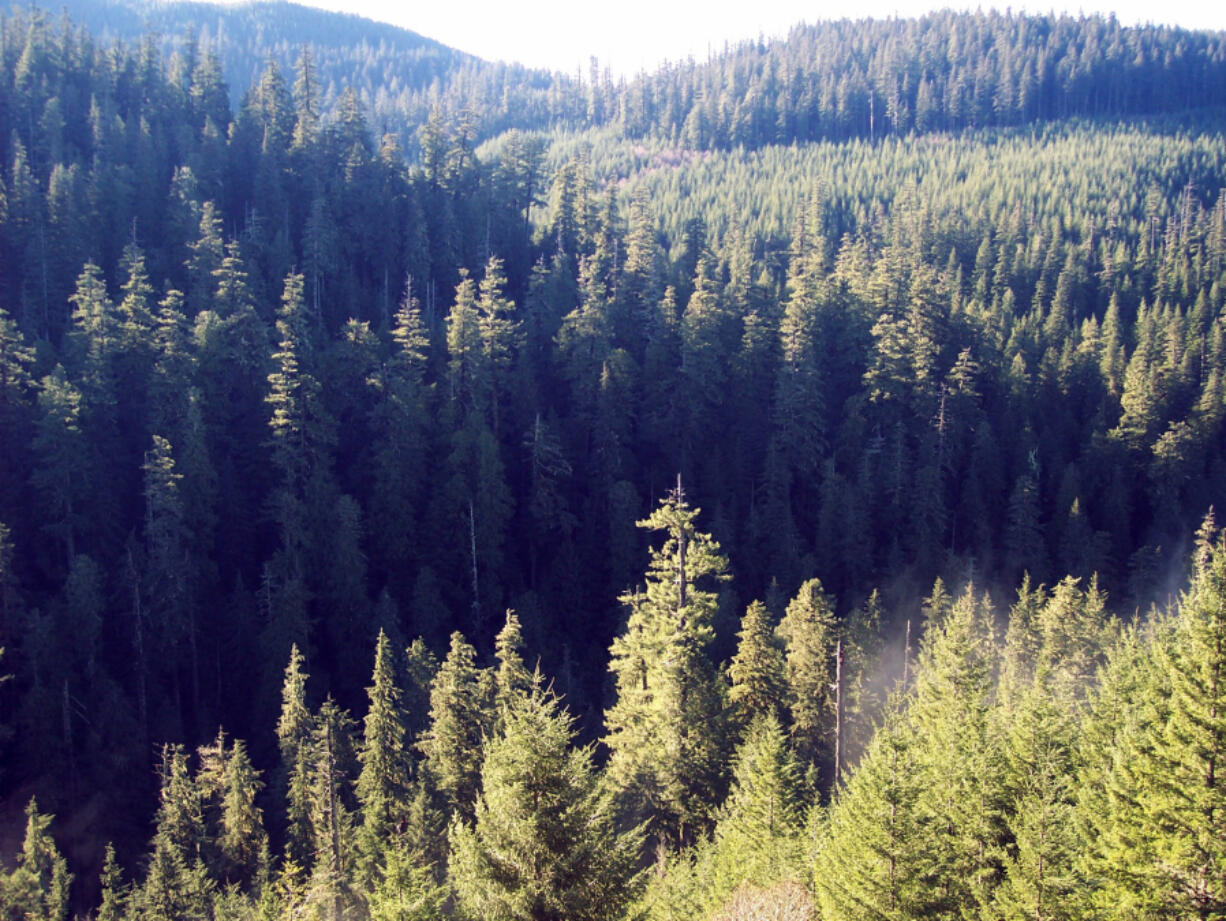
845 486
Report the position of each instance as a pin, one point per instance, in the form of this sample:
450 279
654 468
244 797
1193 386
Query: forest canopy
776 483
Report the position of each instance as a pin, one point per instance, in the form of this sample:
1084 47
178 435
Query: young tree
512 678
38 888
808 633
460 717
383 783
757 670
871 859
295 733
543 846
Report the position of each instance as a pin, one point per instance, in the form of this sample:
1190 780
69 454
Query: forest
780 486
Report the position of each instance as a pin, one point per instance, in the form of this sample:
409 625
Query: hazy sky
629 35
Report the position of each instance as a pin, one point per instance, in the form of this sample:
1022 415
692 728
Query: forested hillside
659 440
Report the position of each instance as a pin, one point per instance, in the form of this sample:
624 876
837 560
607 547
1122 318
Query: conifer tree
1039 878
243 843
177 883
398 422
512 677
543 846
113 904
295 734
757 670
331 812
1161 854
807 631
383 784
469 373
500 336
758 832
872 859
38 887
407 890
665 729
960 755
460 718
63 455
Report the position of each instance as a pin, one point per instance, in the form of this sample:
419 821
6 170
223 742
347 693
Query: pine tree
460 718
758 832
872 859
512 677
331 813
469 372
1039 879
960 755
542 846
113 903
301 428
63 458
1162 851
295 733
500 336
406 891
807 631
38 888
665 729
383 783
757 670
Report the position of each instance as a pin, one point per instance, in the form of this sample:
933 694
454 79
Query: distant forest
647 402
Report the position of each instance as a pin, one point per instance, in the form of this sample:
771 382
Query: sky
632 35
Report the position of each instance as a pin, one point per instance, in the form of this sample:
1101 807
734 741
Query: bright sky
633 35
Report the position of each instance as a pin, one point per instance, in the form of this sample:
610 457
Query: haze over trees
771 484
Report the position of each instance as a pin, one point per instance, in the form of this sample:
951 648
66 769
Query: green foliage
543 843
1160 855
757 670
38 887
382 787
460 718
664 730
807 631
295 731
892 321
407 891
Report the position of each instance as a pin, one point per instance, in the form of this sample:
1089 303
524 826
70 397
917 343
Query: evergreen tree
757 670
460 718
758 832
407 891
331 814
543 846
38 887
113 904
512 678
807 631
872 859
1162 855
665 728
383 784
295 734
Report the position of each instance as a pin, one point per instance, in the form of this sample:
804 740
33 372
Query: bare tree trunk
838 713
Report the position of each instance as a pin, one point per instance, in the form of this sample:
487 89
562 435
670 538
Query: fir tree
807 631
757 670
665 728
460 718
383 783
543 846
295 733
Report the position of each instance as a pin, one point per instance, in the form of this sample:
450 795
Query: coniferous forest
779 486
